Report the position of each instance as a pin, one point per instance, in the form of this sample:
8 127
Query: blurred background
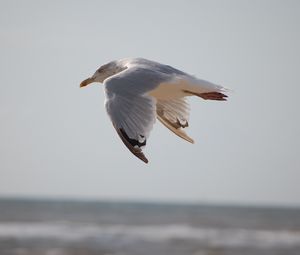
69 186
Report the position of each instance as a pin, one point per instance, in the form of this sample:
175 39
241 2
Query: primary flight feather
138 91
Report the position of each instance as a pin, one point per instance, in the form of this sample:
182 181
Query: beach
49 227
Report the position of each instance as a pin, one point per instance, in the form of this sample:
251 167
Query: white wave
153 233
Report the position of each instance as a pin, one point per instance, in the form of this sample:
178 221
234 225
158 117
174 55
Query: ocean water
36 227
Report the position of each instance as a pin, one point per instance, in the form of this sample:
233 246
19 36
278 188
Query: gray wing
130 109
158 67
133 118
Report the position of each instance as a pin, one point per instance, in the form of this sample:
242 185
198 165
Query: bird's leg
209 95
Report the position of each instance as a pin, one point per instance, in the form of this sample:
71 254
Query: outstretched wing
174 114
130 108
133 117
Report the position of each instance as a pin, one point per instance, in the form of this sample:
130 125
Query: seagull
139 91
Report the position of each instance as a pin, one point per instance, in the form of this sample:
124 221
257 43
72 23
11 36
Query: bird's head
103 72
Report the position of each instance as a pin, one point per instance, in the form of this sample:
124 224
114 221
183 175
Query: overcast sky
57 141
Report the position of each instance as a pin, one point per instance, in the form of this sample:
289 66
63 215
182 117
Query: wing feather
174 114
137 151
132 121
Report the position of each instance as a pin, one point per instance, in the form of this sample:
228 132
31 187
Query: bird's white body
138 91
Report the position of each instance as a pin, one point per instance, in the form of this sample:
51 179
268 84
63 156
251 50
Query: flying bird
137 91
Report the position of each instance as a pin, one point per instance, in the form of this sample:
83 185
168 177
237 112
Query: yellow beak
86 82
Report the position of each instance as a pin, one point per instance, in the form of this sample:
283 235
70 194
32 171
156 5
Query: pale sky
57 141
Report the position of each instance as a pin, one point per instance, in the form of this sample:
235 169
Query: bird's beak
86 82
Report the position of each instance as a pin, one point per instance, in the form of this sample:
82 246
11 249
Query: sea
63 227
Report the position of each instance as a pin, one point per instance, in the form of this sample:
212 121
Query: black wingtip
135 150
145 160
